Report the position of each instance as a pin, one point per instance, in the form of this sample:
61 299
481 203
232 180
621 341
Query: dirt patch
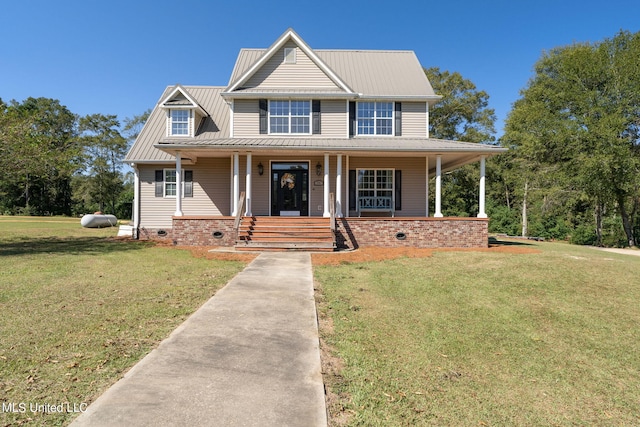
381 254
210 252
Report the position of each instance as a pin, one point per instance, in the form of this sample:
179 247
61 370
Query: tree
39 154
462 114
580 114
104 149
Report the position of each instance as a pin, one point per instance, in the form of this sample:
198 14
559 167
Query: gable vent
289 55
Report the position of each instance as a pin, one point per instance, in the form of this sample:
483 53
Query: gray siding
211 192
246 118
414 119
275 73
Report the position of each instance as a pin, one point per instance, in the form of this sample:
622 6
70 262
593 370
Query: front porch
350 233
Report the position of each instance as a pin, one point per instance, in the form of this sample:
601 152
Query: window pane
170 189
170 176
300 108
279 108
300 125
384 127
384 109
280 124
179 122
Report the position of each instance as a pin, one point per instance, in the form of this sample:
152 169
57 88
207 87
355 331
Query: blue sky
116 57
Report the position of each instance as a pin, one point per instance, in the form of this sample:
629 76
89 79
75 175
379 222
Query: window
375 188
166 184
170 183
375 118
180 122
290 117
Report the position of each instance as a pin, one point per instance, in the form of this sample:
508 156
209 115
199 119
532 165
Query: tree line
572 171
54 162
573 168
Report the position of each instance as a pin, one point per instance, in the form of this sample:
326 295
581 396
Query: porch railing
332 210
236 223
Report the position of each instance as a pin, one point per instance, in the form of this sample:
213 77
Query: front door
290 189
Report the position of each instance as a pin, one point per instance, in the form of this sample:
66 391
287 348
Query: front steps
285 233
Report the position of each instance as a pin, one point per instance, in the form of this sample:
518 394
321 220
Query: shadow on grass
494 241
69 245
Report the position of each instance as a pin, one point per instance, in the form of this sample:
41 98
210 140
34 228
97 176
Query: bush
583 235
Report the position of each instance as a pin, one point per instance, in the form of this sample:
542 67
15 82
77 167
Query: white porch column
339 187
236 184
427 186
247 212
481 202
136 200
326 186
178 185
438 213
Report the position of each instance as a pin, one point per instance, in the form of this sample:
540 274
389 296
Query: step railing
241 200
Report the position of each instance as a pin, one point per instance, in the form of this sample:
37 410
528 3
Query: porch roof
454 153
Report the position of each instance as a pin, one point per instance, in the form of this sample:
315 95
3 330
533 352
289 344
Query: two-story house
332 140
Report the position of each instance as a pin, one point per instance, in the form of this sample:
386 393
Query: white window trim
164 184
310 116
375 118
189 123
376 189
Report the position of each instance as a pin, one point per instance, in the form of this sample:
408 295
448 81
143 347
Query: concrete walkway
248 357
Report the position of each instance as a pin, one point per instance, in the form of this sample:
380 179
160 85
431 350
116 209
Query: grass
485 339
80 307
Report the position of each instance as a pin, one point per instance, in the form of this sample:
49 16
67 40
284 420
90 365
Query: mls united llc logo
44 408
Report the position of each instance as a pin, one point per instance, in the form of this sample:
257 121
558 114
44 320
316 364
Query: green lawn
486 339
79 308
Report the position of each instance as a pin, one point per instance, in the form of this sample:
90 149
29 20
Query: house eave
287 95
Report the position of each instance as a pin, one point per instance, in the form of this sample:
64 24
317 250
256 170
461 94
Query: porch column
178 185
427 185
326 212
236 184
481 212
438 213
247 212
136 200
339 187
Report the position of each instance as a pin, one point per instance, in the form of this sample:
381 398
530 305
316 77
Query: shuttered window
165 182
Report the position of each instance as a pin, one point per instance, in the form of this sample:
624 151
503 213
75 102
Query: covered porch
374 196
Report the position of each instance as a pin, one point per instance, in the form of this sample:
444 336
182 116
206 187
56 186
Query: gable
277 73
271 72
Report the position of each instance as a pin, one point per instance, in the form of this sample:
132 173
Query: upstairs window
289 117
180 122
375 118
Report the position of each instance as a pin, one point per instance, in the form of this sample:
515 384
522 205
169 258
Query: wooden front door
290 189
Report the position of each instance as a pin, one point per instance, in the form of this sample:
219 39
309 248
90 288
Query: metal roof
429 145
370 73
214 126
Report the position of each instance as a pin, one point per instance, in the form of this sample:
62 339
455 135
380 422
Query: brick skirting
429 232
351 233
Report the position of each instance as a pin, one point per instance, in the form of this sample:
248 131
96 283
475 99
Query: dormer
183 113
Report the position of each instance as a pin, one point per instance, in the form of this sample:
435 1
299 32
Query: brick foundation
418 232
195 231
351 233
